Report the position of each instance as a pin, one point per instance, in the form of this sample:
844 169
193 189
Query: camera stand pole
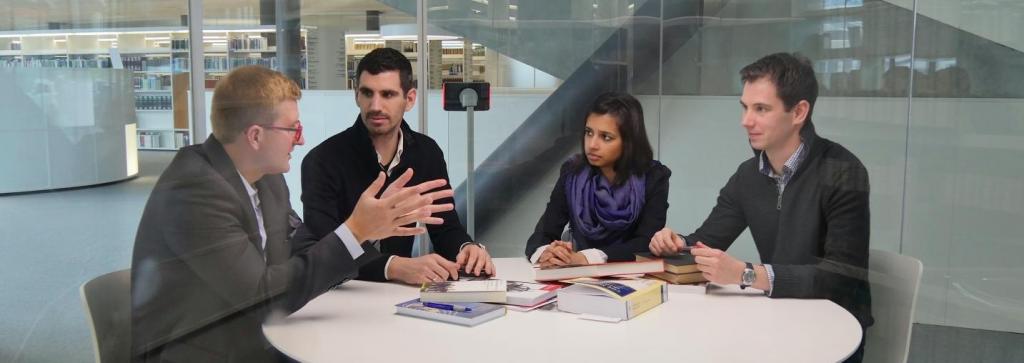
469 99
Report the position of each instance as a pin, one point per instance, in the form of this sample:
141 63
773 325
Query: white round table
357 323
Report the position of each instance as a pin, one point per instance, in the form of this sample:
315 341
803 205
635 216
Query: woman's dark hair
629 116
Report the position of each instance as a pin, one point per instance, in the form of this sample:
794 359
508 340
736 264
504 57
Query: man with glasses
337 170
219 247
297 139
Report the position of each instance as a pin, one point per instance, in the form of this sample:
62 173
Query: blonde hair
248 96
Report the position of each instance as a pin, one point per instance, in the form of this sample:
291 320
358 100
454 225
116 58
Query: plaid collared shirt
788 169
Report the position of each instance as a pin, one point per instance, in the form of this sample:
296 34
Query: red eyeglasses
297 130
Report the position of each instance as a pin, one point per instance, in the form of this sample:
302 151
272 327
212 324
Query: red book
598 270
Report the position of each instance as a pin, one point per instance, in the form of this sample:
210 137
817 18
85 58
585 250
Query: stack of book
526 296
463 302
679 269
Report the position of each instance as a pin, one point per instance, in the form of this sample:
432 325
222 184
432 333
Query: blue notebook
479 313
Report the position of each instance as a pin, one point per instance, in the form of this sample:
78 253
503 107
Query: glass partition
927 94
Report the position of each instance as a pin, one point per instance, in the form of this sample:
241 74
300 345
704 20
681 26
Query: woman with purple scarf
613 195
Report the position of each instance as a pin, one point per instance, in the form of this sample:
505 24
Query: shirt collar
248 187
398 154
788 168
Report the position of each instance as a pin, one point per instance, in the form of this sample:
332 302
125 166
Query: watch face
748 277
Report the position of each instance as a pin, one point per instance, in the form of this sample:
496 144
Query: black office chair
107 301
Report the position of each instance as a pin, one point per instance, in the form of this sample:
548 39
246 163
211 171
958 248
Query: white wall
59 133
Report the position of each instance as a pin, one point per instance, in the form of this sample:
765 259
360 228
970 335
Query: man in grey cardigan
804 198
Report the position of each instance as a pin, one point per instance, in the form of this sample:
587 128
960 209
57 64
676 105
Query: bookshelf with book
146 52
453 62
160 63
161 139
452 67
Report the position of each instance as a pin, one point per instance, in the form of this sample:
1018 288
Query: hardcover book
597 270
677 264
619 299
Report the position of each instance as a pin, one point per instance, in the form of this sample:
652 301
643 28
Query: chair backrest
894 280
107 301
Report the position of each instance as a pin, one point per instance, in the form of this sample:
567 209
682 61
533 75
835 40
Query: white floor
52 242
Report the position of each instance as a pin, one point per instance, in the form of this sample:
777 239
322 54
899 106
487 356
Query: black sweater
815 235
336 172
651 220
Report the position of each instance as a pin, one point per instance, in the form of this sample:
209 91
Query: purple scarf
602 212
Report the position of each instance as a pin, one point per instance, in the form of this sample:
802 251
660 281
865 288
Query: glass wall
84 85
963 200
927 94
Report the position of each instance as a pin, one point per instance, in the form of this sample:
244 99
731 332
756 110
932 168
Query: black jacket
202 283
336 172
815 235
652 216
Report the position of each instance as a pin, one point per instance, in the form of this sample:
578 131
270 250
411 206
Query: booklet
472 313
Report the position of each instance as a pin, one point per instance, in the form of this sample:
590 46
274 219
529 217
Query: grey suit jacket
201 283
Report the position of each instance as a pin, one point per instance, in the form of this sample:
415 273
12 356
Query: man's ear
253 134
410 99
800 112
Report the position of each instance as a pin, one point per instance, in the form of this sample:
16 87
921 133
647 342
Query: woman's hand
558 253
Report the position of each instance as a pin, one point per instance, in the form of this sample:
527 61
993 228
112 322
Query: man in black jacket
804 198
334 173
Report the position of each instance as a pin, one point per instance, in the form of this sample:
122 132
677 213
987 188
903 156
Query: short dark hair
792 75
629 116
385 60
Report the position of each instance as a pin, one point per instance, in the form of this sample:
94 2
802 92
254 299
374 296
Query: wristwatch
748 277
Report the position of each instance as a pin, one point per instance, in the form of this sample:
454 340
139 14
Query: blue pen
451 307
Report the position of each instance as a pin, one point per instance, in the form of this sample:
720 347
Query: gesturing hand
378 218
